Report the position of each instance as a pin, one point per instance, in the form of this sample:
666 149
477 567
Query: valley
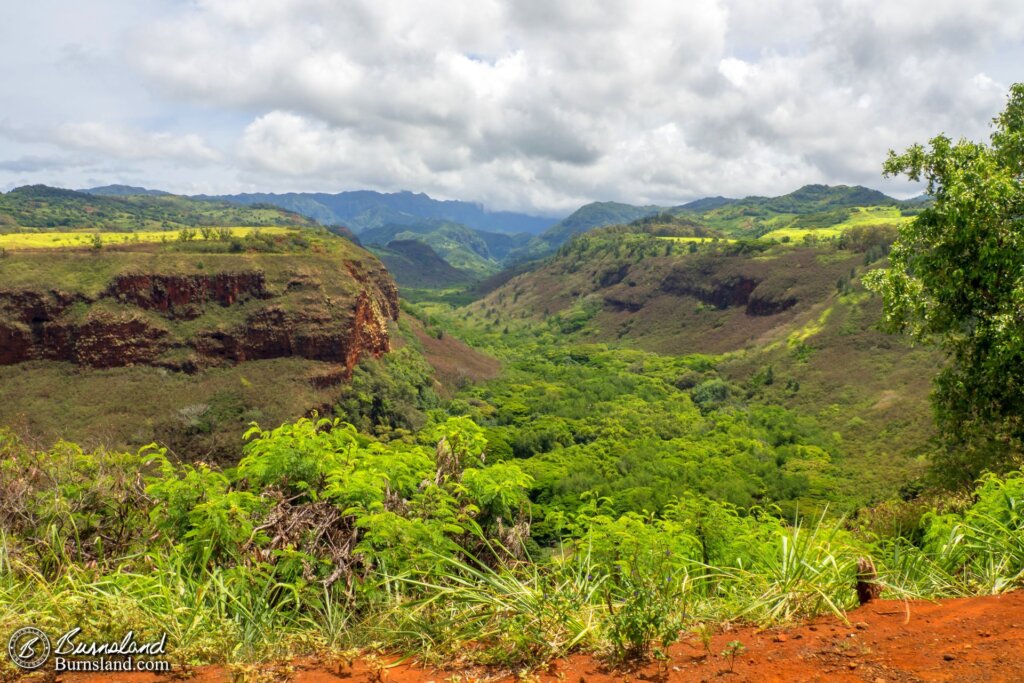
512 342
420 405
212 318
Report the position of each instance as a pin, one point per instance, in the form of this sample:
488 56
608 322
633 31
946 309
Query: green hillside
184 341
811 208
585 218
415 264
819 210
38 207
476 252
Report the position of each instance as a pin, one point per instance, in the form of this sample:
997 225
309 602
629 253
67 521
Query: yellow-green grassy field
874 215
797 234
698 239
864 215
84 238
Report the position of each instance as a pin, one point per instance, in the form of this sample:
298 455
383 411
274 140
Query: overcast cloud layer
532 105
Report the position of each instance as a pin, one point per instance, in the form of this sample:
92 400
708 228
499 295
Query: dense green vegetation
323 539
640 429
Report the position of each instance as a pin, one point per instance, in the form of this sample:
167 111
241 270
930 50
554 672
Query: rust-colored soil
969 640
455 362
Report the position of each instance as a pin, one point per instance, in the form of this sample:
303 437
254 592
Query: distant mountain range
810 206
124 191
364 209
477 243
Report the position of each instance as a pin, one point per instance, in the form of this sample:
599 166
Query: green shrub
68 506
710 394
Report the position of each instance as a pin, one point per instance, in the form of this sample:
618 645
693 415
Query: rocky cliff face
189 321
730 290
716 299
184 296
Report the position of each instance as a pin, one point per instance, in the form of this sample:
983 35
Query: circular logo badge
29 648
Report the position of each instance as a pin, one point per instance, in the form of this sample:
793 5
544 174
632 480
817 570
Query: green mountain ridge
477 252
123 191
587 217
811 206
470 252
814 209
414 263
44 208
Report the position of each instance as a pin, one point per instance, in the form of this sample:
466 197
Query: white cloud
736 71
123 143
541 105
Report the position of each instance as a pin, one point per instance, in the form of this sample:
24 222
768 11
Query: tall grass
809 571
514 612
511 612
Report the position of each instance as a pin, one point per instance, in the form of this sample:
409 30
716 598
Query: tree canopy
957 279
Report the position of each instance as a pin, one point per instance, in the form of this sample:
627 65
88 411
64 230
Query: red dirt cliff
188 321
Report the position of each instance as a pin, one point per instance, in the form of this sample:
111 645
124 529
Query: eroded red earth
966 640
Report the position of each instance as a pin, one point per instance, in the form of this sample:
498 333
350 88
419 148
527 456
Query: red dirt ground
966 640
453 360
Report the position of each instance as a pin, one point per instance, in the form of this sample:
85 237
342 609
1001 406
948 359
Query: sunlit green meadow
86 238
699 240
860 216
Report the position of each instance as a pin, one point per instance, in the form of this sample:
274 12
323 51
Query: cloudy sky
534 105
